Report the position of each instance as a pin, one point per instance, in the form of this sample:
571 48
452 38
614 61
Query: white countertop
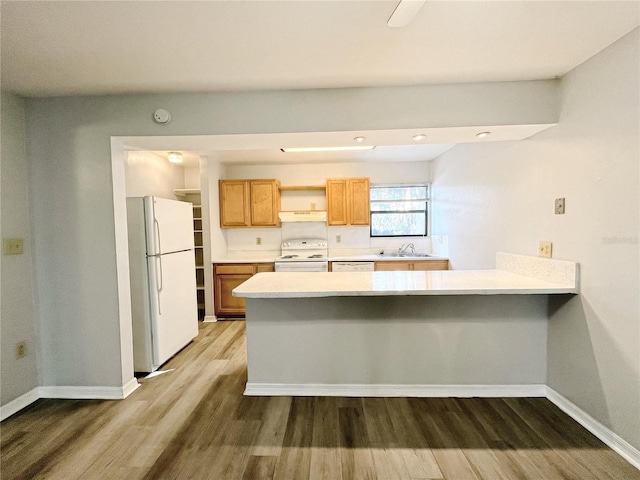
349 284
385 258
532 276
348 258
258 259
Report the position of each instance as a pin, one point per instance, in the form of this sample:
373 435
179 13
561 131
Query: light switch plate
21 350
12 246
559 209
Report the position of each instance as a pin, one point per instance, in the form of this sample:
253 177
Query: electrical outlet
544 249
338 238
21 349
258 240
559 206
313 206
12 246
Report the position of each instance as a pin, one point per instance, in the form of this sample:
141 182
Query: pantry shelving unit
193 195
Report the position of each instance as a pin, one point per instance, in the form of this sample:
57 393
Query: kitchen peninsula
404 333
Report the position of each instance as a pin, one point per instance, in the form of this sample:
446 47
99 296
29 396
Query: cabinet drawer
392 266
265 267
234 269
431 265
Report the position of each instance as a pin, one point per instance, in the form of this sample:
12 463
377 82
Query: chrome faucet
404 248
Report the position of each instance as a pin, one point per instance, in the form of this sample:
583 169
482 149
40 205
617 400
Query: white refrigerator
163 280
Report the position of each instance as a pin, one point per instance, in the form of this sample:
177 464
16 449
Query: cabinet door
359 201
234 203
264 203
225 303
392 266
431 265
337 213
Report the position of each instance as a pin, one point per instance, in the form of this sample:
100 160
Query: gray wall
78 222
17 303
500 197
438 341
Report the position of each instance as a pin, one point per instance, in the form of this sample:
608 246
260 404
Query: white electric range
303 255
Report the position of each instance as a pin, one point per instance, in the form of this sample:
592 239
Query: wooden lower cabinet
391 266
424 265
226 277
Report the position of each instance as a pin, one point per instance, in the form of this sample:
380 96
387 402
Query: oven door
302 266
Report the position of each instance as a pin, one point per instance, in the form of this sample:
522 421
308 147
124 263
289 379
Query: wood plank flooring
194 423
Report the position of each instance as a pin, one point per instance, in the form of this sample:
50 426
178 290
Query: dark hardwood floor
194 423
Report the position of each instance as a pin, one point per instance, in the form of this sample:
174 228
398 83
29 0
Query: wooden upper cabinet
249 203
234 203
360 203
337 202
265 203
348 201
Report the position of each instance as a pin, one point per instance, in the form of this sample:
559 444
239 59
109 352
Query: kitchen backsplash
341 240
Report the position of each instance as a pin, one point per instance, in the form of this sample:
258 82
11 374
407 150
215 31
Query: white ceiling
390 145
52 48
95 47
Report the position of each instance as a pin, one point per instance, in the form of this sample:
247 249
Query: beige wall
147 173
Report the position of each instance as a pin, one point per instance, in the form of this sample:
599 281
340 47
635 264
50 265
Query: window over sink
399 210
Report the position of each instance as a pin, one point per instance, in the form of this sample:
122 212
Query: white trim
23 401
612 440
374 390
105 393
109 393
130 387
210 319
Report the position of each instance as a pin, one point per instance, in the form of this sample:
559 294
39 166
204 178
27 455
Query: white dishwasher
352 266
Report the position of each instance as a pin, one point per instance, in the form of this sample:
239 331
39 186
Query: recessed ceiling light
174 157
419 137
325 149
483 134
359 139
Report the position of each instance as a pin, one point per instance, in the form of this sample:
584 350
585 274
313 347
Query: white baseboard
612 440
359 390
108 393
210 319
130 387
102 393
14 406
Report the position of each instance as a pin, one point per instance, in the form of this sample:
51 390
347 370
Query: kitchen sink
405 255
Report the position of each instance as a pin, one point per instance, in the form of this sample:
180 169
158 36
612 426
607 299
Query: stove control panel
304 244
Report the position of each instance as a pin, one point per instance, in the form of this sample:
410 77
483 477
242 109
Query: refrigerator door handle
159 282
156 226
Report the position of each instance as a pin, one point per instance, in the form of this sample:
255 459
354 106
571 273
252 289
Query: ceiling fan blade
405 12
